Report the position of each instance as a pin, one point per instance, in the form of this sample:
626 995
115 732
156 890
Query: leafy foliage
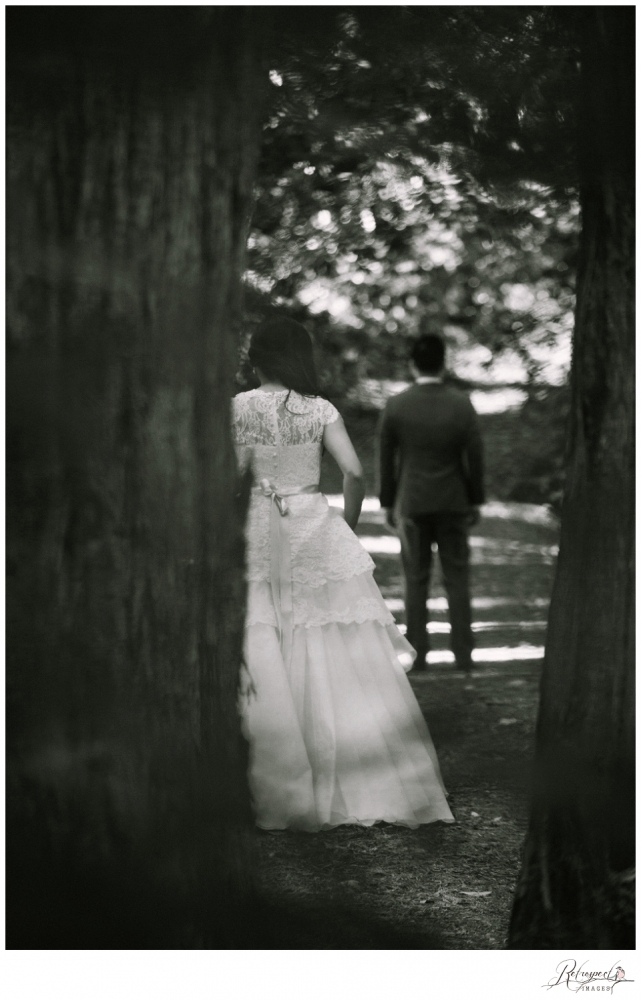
417 175
526 448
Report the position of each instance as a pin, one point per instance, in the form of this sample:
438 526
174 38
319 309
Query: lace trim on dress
354 563
309 615
366 609
307 577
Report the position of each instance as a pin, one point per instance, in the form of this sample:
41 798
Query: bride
335 732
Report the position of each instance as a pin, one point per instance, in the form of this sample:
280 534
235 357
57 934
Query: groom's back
433 417
432 430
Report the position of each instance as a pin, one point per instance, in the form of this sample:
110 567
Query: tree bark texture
576 884
133 136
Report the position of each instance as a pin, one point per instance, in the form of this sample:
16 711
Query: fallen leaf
476 893
516 684
497 819
474 814
507 722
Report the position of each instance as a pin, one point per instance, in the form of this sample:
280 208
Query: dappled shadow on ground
450 887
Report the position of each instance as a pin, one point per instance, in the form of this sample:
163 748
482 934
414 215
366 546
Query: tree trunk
576 884
132 138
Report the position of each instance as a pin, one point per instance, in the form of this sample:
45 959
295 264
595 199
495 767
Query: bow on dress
281 560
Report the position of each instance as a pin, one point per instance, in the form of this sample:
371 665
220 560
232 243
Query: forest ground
441 886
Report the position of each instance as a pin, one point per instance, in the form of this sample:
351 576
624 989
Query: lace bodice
283 444
281 434
280 418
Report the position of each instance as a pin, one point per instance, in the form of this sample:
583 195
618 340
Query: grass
438 887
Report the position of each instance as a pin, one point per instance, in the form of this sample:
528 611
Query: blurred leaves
418 173
526 448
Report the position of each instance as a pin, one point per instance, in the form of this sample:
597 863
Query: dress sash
281 560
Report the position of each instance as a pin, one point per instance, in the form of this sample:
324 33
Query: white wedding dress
335 732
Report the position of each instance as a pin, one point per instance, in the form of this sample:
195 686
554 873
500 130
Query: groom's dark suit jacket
431 454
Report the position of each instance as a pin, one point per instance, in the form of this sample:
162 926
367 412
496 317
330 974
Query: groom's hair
428 353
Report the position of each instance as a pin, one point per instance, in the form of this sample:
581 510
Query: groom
431 469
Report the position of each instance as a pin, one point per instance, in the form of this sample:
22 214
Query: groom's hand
390 517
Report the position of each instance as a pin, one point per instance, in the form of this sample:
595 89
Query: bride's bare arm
338 444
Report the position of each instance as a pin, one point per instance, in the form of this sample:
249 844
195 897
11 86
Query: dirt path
439 886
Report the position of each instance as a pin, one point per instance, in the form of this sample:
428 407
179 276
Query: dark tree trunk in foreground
576 886
132 139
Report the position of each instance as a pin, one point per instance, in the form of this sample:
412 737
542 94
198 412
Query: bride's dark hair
282 349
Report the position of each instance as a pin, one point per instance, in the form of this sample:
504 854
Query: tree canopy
419 172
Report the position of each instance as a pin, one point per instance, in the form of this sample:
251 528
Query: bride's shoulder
241 404
315 406
243 397
326 410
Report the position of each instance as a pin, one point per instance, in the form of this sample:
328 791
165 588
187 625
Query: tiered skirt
336 735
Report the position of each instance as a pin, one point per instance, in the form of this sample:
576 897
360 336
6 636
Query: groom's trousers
448 529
